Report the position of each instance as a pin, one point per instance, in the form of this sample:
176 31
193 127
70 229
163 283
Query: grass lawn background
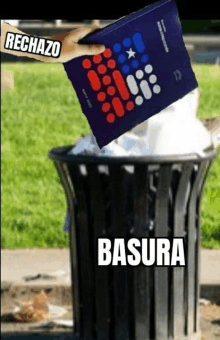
43 112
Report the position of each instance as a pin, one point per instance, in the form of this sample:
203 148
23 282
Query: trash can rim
61 154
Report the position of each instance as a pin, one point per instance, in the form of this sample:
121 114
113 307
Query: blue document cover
144 68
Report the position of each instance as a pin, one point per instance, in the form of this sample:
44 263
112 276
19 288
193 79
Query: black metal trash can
154 197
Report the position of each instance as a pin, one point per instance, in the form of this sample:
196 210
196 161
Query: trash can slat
198 234
191 250
142 294
119 273
178 231
102 304
86 281
62 170
161 273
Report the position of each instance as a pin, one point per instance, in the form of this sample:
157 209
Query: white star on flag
131 53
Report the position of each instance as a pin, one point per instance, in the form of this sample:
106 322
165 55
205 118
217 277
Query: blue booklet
144 68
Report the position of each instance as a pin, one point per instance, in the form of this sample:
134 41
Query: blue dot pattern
132 43
121 58
138 42
145 58
127 42
117 47
135 63
125 69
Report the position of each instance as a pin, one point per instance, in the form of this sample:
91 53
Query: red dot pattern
110 118
107 53
102 69
117 104
101 96
106 107
94 80
130 105
106 80
111 90
111 63
97 59
86 63
121 85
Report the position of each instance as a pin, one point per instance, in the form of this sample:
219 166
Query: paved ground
210 266
16 264
209 324
20 263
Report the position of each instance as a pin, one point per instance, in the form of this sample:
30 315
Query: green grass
43 112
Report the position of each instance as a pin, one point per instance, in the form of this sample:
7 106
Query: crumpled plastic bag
134 142
129 144
55 323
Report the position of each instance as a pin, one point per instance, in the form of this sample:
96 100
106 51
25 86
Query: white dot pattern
139 100
139 74
156 89
148 68
152 79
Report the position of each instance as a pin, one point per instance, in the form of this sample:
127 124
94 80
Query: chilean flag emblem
122 77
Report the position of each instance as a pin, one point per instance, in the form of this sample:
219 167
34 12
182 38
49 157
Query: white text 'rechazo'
34 45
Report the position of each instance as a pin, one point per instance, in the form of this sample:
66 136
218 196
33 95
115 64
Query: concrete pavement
19 263
55 263
210 267
210 274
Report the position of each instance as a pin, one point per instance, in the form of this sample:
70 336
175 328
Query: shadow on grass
216 236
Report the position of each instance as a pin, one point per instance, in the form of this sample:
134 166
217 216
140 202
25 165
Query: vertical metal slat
161 273
97 202
84 253
191 241
120 274
178 272
141 274
198 233
70 196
